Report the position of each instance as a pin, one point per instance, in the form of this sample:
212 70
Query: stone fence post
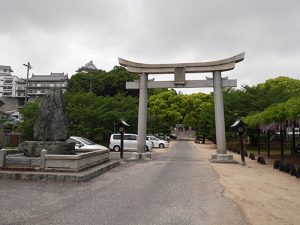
2 157
43 160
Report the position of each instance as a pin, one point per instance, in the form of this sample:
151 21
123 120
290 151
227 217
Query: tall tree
200 114
29 115
166 107
102 83
93 116
169 108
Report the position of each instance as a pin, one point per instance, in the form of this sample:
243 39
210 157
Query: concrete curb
59 176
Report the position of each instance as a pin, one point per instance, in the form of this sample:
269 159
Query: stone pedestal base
34 148
222 158
140 156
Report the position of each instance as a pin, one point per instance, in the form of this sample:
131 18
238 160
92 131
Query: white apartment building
7 82
12 88
38 85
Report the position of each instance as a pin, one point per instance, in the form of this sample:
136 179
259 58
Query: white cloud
62 35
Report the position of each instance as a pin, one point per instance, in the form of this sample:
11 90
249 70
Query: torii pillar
221 155
179 70
142 117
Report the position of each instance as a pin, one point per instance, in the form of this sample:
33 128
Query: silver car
84 144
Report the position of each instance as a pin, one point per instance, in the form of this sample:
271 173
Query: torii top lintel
200 67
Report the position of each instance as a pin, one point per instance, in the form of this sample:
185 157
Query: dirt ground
266 196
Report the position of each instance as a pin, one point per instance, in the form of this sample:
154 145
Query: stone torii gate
179 70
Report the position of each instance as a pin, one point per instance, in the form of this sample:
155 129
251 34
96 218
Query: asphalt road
177 187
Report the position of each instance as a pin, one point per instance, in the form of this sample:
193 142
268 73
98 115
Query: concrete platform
58 176
222 158
140 156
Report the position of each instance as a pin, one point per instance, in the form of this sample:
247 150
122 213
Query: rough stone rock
261 160
34 148
52 122
252 156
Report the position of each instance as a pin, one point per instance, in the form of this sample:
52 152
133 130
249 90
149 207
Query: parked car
173 136
157 143
130 142
84 144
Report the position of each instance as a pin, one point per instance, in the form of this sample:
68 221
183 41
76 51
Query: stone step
59 176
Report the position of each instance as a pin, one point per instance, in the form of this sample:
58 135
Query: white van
130 142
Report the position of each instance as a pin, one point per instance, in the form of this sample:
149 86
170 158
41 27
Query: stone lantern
241 128
121 125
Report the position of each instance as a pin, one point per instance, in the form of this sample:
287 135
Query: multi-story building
39 85
13 89
20 88
7 82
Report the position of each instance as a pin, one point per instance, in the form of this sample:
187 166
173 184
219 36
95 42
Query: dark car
173 135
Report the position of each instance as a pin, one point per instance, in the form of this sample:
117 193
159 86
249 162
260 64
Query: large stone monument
51 128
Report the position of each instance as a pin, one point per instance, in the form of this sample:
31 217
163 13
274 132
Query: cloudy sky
62 35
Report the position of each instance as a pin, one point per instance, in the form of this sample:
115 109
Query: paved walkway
177 187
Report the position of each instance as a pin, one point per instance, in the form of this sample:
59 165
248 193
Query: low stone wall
59 176
34 148
72 163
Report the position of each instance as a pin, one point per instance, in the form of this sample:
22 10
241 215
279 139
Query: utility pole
26 88
90 83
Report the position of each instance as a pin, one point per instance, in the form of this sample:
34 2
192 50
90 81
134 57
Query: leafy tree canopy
93 116
277 90
30 114
169 108
166 105
278 114
94 100
102 83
